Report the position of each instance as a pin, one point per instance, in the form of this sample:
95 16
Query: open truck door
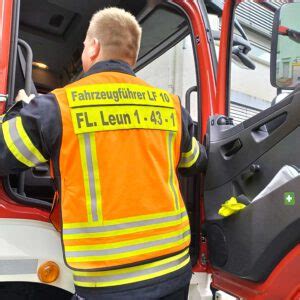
255 253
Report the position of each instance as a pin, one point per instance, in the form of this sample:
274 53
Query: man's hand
22 96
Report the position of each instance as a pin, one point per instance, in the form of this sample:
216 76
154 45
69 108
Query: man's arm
193 154
28 133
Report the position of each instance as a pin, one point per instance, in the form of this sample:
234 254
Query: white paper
285 174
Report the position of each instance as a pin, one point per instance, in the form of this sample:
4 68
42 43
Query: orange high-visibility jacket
120 199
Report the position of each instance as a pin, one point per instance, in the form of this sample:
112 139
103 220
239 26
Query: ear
94 50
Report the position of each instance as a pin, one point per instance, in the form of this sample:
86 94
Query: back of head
118 32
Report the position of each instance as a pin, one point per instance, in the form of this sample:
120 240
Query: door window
251 90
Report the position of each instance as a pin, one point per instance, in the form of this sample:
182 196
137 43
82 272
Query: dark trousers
181 294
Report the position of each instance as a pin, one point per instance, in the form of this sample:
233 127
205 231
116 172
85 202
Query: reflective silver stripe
89 162
171 168
185 161
84 253
127 275
128 225
19 144
18 266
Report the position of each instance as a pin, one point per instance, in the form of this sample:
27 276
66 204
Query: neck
104 57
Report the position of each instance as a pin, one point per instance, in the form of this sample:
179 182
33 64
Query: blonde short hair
118 32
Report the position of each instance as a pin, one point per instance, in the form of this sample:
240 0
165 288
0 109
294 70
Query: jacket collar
110 66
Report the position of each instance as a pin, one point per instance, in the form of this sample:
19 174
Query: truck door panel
243 159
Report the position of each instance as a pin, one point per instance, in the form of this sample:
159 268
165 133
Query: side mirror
285 50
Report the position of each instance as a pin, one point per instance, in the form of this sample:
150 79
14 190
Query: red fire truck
253 254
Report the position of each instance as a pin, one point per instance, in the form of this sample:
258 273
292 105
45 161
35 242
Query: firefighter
115 144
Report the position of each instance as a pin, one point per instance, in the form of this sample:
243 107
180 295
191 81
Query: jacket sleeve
193 155
28 134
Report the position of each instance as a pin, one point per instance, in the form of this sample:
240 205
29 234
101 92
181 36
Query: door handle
188 97
231 148
253 169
